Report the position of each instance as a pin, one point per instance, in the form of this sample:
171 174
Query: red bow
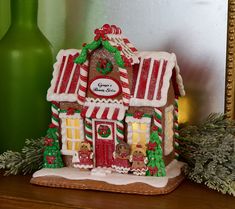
99 33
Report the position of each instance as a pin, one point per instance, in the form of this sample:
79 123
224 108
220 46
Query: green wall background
63 22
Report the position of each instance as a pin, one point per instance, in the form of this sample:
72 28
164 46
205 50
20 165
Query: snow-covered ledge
172 170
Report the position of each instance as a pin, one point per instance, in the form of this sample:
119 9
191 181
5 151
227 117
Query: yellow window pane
135 126
77 133
69 145
76 122
69 122
69 133
77 145
135 138
143 127
143 138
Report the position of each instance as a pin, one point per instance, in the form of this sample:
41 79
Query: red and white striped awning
103 112
152 79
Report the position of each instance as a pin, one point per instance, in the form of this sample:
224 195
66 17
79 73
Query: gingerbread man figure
83 159
121 157
139 160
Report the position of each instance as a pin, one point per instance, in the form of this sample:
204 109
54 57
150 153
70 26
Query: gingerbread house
109 93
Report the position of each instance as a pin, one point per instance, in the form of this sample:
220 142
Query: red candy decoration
152 146
106 29
50 159
155 128
119 48
70 111
48 142
52 125
152 170
138 114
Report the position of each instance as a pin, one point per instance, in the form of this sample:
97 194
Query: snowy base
106 175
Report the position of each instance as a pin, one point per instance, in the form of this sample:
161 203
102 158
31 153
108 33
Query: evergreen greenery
208 150
27 161
52 156
156 166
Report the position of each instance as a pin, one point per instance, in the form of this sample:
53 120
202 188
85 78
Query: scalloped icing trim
98 100
172 63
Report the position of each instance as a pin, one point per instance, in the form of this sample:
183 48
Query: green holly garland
94 45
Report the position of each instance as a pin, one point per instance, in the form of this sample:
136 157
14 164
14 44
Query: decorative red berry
48 141
155 128
50 159
119 48
52 125
70 111
107 29
138 114
152 146
84 44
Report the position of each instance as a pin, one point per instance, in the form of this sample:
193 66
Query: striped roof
127 48
113 35
152 79
65 81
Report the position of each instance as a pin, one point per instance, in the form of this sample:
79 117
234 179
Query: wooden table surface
16 192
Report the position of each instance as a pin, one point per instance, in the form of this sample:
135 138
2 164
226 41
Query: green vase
25 70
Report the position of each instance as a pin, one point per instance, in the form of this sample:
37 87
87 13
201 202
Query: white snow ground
106 175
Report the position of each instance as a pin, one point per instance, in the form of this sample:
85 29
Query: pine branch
29 160
209 150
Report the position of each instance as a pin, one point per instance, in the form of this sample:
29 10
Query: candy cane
176 124
55 113
120 131
157 120
88 129
125 86
82 83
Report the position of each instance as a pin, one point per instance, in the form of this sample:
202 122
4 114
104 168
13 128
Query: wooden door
104 143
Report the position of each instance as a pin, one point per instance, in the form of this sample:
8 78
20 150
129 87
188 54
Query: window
138 133
72 133
169 132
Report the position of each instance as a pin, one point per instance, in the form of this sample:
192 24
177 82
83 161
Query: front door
104 142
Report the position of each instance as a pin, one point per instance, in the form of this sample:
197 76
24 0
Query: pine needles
30 159
209 150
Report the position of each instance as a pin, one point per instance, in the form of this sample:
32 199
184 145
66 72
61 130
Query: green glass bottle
25 70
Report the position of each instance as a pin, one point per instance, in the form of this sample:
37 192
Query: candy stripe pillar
176 125
55 113
82 83
119 131
88 129
125 86
157 119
